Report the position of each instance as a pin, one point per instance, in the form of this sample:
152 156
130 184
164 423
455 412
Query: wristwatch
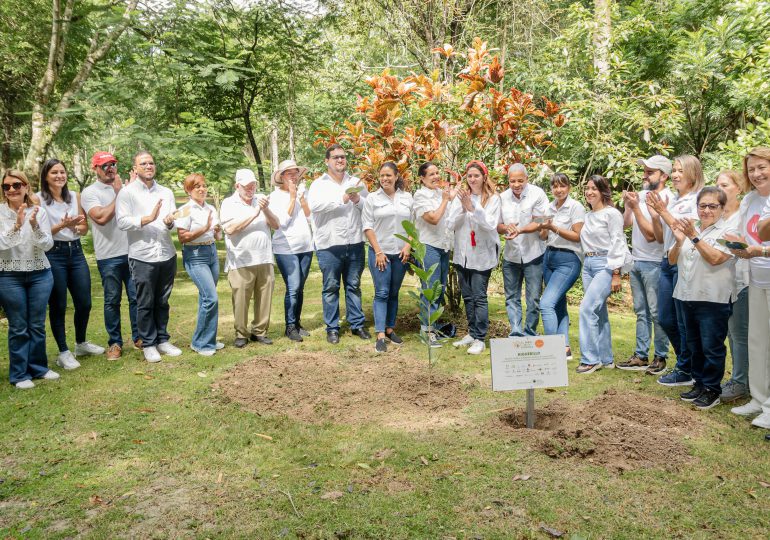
695 240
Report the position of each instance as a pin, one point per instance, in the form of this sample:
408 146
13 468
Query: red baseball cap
100 158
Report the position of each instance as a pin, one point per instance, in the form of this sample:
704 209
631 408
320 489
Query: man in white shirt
523 207
336 200
247 220
145 210
645 275
110 249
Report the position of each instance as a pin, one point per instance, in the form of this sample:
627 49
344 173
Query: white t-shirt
700 281
109 240
384 215
733 223
428 200
478 227
752 207
603 232
679 207
193 216
56 211
250 246
294 235
641 248
570 213
519 211
336 223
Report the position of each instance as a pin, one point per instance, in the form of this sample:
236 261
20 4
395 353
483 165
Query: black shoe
692 394
333 337
393 337
264 340
240 342
381 346
708 399
302 331
361 332
293 333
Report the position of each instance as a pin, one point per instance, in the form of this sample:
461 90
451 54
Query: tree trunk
292 155
274 144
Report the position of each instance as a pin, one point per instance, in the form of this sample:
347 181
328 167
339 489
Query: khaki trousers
759 347
257 282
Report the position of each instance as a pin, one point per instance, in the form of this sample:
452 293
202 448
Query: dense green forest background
215 84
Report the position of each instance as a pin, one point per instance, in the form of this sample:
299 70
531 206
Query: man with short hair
647 254
336 200
110 249
247 220
145 210
523 207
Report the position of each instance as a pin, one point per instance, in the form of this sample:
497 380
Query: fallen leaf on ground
331 495
137 441
263 436
383 454
146 410
423 460
93 435
764 484
363 465
522 477
138 372
201 374
550 531
219 478
95 500
149 377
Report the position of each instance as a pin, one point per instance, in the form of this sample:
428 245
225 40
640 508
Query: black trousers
473 288
154 282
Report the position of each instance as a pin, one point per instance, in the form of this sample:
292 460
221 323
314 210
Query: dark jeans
115 276
154 282
294 269
387 284
202 265
706 324
434 255
560 271
670 316
24 297
346 264
473 288
531 274
70 272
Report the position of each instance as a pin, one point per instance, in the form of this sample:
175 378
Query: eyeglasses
703 206
146 164
106 166
16 186
338 158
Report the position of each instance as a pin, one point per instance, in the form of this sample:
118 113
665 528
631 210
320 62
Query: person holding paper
384 211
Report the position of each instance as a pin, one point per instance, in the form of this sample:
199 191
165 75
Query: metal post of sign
530 408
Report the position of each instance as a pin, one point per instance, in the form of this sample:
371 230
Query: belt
66 243
565 250
199 243
595 253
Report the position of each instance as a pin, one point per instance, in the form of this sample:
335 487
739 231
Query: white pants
759 347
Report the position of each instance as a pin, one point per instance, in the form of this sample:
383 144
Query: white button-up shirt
151 243
294 235
24 250
679 207
193 216
336 223
384 215
483 223
603 232
56 211
109 240
570 213
700 281
641 248
519 211
250 246
438 235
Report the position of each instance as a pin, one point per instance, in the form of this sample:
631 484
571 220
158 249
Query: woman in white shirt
561 263
687 180
292 241
431 204
604 247
474 215
25 279
68 264
384 211
198 228
704 287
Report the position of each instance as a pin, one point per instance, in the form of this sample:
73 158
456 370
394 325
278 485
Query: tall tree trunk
274 144
292 155
601 41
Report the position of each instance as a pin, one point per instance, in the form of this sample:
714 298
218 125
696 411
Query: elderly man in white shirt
247 220
144 210
336 200
523 207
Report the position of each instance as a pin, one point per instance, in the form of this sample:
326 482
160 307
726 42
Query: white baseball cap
658 162
244 177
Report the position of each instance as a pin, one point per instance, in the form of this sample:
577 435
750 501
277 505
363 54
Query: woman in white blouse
68 263
605 250
704 287
474 215
198 227
561 263
25 279
292 241
384 210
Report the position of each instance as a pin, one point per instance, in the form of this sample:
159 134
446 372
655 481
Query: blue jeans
202 265
70 272
294 269
645 277
670 315
434 255
342 263
24 297
738 337
513 275
560 271
706 324
387 284
473 288
595 332
116 275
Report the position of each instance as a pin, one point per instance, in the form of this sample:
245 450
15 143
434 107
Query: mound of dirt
623 431
349 388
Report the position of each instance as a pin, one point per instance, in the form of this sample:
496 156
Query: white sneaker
219 346
50 375
24 385
86 348
168 349
67 361
477 347
151 354
763 421
752 408
464 342
205 352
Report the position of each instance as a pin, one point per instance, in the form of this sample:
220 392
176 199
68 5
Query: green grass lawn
129 449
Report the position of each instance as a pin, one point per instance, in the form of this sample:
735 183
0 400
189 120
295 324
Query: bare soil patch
349 387
623 431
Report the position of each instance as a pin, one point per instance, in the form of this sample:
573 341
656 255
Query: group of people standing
699 269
